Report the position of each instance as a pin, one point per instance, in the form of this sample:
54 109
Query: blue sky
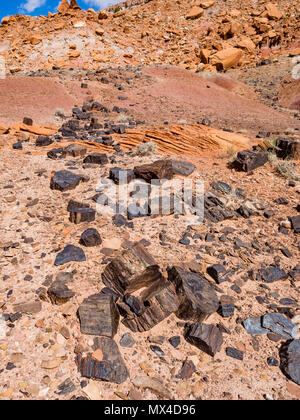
42 7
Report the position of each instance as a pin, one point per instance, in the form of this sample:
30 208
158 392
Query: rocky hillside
203 35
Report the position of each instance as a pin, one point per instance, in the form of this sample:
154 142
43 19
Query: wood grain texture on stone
207 338
159 300
99 315
198 299
133 269
110 369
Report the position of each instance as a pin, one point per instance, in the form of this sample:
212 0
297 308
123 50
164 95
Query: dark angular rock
175 341
119 220
254 326
272 361
97 158
207 338
59 293
235 353
64 181
75 150
66 387
133 269
90 237
83 214
157 350
279 324
271 274
218 273
99 315
295 221
18 146
127 340
226 310
248 160
43 141
57 154
183 168
159 301
197 297
136 306
287 148
222 187
290 360
187 370
27 121
121 176
70 253
161 169
111 369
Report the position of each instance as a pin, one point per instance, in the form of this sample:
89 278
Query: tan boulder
35 40
74 5
102 15
227 58
272 11
246 44
204 55
195 13
5 20
206 4
294 52
3 128
63 7
99 32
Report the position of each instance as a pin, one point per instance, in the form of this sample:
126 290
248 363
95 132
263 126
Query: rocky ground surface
136 304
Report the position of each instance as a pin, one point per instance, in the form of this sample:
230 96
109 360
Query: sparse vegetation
230 154
146 149
284 168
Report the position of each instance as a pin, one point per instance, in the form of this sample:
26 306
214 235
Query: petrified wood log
248 160
161 169
290 360
59 293
198 298
159 301
207 338
288 148
111 369
99 315
133 269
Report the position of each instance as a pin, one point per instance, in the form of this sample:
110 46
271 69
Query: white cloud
101 4
31 5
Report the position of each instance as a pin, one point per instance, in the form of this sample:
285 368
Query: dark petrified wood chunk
90 237
198 298
235 353
97 158
64 181
295 221
111 369
59 293
271 274
248 160
56 153
75 150
99 315
182 167
83 214
70 253
287 148
279 324
43 141
290 360
121 176
218 273
161 169
133 269
159 301
207 338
